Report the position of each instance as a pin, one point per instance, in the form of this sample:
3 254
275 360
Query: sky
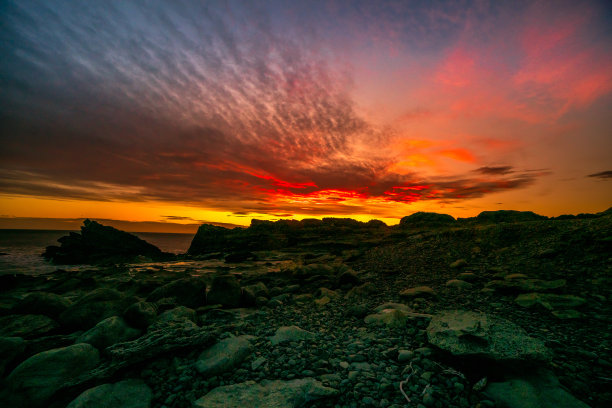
187 112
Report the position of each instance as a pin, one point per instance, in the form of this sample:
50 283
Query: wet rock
458 284
277 394
42 303
419 291
567 314
130 393
26 326
349 278
190 292
468 277
224 290
251 293
459 263
35 380
240 256
178 314
290 333
387 317
513 286
224 355
471 334
361 291
108 332
140 314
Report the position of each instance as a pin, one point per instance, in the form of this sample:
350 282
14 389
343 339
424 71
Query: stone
471 334
224 290
132 393
177 314
10 348
140 314
26 326
36 379
94 307
108 332
290 333
325 292
403 356
567 314
396 306
541 390
387 317
513 286
250 293
100 244
419 291
349 278
459 263
322 301
468 277
549 301
268 394
516 276
458 284
361 291
42 303
190 292
225 355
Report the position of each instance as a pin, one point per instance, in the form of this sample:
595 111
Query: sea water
23 248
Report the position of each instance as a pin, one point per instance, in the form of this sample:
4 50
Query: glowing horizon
223 113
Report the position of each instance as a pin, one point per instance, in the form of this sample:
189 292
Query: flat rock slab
471 334
290 333
419 291
271 394
124 394
26 326
224 355
542 391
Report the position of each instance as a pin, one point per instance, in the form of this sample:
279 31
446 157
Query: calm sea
24 247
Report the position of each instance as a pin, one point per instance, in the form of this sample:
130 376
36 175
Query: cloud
494 170
602 174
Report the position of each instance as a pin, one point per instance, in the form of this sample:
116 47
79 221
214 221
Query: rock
403 356
10 348
349 278
42 303
178 314
290 333
359 311
459 263
224 290
537 391
140 314
396 306
387 317
549 301
224 355
509 216
190 292
419 291
468 277
100 244
26 326
426 220
525 285
277 394
131 393
250 293
94 307
471 334
240 256
567 314
458 284
516 276
361 291
325 292
35 380
108 332
322 301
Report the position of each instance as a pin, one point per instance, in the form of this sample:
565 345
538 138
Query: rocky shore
509 311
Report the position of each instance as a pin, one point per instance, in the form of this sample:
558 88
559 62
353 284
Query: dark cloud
602 174
494 170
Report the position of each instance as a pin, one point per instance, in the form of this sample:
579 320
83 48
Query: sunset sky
213 111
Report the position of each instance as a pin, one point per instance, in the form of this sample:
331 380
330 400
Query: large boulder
26 326
224 290
289 334
471 334
190 292
277 394
123 394
426 219
541 390
251 293
100 244
178 314
108 332
35 380
140 314
42 303
94 307
225 355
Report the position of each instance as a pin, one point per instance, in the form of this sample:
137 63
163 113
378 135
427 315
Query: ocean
24 247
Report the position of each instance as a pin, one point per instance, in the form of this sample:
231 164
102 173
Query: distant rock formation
508 216
100 244
426 219
340 233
